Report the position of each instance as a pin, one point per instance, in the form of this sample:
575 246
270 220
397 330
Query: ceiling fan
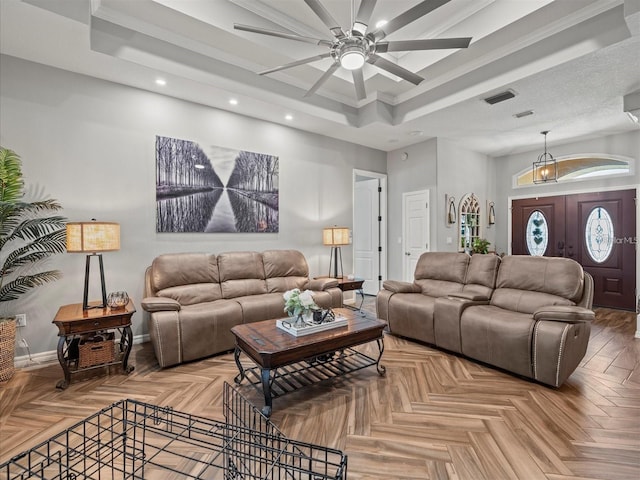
351 49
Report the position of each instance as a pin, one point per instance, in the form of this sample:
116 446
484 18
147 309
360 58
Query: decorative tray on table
288 325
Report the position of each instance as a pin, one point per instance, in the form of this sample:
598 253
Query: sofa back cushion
527 283
482 274
285 270
439 274
241 273
188 278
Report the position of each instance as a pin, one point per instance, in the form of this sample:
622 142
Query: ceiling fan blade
364 15
296 63
391 67
325 76
326 17
276 33
358 81
407 17
427 44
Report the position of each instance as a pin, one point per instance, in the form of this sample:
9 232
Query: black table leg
62 384
381 368
240 376
266 389
127 337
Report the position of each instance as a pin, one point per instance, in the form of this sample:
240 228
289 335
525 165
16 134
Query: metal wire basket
136 440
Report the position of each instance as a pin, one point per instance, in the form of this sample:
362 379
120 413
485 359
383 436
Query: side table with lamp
88 331
336 237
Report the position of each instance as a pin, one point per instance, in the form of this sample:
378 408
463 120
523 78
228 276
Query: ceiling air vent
526 113
500 97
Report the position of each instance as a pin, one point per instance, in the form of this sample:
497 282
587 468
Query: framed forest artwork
214 189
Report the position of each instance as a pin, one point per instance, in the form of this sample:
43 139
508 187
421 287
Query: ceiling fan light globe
352 59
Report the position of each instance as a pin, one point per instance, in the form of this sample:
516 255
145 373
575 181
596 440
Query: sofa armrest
323 283
397 286
561 313
160 304
474 297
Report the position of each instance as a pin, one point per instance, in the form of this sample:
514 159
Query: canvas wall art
214 189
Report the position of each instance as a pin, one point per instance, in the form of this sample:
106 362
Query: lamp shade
93 237
335 236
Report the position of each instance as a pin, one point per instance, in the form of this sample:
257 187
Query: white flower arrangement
297 302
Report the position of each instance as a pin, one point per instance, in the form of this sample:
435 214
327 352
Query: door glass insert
537 234
599 234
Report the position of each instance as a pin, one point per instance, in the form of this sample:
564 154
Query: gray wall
461 172
442 167
417 172
90 144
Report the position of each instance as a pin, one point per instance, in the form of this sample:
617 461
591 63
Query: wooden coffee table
285 363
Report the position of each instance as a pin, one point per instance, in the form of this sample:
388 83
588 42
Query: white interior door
415 226
365 242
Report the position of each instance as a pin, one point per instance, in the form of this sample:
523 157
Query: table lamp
335 237
91 238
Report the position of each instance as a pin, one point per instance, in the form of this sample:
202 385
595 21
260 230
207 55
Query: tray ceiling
569 61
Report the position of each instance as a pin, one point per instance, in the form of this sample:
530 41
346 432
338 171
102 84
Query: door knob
408 254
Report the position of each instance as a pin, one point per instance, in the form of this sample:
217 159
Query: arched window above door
582 167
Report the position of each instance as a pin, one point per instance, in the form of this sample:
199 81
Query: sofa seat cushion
411 315
207 326
498 337
261 307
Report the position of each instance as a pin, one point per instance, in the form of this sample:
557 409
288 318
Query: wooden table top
74 312
271 347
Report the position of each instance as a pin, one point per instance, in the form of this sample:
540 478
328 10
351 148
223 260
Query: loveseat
528 315
193 299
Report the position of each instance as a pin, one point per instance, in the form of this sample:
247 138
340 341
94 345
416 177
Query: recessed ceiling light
381 23
288 116
416 133
161 81
233 101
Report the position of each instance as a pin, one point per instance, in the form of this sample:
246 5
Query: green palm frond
21 285
33 252
27 235
11 183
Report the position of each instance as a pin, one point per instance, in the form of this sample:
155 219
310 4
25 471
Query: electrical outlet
21 320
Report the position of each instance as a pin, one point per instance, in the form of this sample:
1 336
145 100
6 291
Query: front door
595 229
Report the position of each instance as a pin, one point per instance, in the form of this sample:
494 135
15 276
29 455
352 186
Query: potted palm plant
28 235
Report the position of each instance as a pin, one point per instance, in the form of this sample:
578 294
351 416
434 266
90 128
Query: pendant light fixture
545 169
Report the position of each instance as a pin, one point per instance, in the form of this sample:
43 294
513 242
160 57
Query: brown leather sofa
528 315
194 299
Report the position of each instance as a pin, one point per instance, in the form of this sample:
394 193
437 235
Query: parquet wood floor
434 415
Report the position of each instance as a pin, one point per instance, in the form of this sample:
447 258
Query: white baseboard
39 359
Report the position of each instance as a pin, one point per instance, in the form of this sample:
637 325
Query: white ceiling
570 61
